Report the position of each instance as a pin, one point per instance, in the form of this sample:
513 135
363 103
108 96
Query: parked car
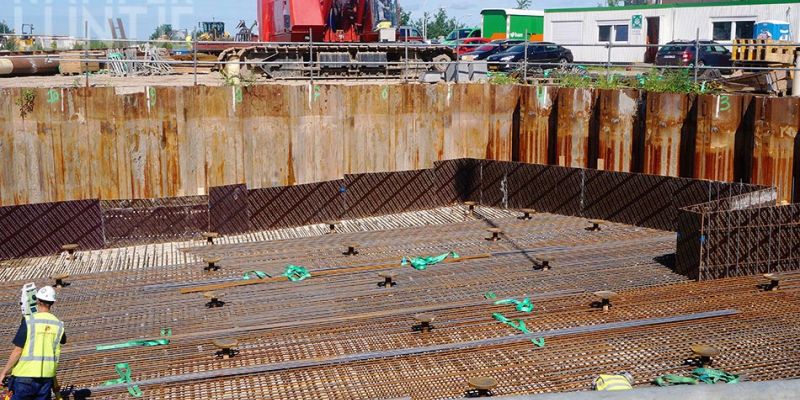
462 33
541 53
467 45
682 53
409 34
493 47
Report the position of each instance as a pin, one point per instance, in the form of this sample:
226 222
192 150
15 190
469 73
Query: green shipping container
506 23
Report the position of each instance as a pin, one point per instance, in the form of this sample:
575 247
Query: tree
608 3
4 28
405 17
7 42
163 31
523 4
438 25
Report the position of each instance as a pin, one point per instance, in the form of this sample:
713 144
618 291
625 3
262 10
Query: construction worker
37 346
610 383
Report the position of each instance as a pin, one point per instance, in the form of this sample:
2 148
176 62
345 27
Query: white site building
641 24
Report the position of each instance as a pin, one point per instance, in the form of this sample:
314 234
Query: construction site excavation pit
336 333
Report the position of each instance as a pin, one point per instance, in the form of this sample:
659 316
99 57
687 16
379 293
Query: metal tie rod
230 372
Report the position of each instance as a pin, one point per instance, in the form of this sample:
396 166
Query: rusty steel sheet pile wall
576 125
719 119
620 129
775 145
156 142
538 124
127 222
41 229
669 128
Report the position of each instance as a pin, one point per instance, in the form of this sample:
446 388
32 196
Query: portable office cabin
659 24
507 23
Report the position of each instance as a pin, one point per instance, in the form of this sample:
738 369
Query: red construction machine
332 38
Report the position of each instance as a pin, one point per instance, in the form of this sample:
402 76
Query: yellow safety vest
611 383
42 347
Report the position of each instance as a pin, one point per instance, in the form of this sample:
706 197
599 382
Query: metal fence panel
129 222
390 192
228 209
285 206
41 229
457 181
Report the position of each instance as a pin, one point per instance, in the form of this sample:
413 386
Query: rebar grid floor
169 253
338 335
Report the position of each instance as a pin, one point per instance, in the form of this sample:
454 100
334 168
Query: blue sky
65 17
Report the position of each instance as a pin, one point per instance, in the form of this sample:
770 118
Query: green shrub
501 78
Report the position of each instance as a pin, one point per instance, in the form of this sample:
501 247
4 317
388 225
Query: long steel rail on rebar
419 350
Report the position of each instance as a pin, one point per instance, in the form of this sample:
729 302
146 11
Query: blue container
775 30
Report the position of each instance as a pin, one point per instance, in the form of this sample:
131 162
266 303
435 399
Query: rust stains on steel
147 142
777 121
537 123
718 119
574 117
618 117
666 116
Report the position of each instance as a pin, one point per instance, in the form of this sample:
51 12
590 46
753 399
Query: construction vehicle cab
211 30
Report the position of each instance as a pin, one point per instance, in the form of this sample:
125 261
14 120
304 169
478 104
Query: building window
605 33
729 30
744 29
722 31
619 33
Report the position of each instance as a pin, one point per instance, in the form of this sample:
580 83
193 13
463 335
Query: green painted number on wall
724 103
53 96
238 95
152 93
385 93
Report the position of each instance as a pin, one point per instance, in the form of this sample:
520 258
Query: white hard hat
46 293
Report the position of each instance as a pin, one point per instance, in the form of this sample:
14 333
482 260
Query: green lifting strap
166 331
124 372
524 306
519 324
671 379
712 376
295 273
489 296
258 274
538 342
132 343
421 263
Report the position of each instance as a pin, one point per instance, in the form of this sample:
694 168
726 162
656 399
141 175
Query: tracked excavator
346 42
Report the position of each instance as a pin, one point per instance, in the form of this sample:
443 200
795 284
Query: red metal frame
351 23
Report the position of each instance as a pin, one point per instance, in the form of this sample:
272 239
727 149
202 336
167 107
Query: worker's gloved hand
4 379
